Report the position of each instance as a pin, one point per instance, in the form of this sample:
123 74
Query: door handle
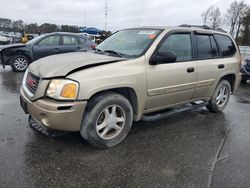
221 66
190 69
56 49
78 47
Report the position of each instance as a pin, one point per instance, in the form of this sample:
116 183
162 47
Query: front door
47 46
175 82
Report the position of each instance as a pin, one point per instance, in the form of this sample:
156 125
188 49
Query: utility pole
106 14
85 18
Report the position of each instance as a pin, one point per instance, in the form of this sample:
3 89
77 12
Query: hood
64 64
11 46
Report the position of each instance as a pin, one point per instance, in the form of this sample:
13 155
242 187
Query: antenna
106 14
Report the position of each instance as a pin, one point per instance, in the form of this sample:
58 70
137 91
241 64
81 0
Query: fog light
44 120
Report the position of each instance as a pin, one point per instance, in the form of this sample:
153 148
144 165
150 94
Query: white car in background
4 40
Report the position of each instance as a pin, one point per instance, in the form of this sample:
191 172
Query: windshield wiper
97 50
114 52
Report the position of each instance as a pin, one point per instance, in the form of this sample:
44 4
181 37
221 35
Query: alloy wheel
110 122
20 63
222 96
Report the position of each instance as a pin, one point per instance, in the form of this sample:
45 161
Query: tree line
9 25
236 21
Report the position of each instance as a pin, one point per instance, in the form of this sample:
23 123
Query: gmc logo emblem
30 82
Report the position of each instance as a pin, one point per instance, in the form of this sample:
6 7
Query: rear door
172 83
214 54
48 46
70 44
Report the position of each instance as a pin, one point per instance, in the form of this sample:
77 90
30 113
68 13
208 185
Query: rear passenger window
69 40
226 45
180 45
204 47
215 52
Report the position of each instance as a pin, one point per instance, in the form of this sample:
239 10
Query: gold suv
131 76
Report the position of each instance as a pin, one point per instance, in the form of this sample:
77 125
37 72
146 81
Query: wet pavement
191 149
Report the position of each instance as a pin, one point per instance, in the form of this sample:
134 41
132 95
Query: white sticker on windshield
146 32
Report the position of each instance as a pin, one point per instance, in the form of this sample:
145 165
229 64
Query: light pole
84 18
106 14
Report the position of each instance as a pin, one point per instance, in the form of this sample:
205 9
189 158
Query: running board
169 112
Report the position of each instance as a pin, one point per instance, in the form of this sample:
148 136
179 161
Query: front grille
32 82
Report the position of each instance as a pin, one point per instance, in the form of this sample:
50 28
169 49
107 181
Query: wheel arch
128 93
25 54
231 78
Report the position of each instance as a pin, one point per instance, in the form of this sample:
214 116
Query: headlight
63 89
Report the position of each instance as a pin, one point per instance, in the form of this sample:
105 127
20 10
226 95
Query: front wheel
220 98
19 63
107 120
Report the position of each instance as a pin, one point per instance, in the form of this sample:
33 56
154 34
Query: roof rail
203 27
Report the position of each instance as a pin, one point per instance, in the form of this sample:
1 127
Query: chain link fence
245 51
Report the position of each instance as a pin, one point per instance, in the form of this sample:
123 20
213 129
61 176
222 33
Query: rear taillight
93 46
242 62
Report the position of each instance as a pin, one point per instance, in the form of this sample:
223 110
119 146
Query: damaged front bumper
55 115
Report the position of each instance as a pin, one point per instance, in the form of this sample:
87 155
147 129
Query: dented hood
3 47
64 64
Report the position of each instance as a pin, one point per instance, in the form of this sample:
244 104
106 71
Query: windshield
129 43
35 40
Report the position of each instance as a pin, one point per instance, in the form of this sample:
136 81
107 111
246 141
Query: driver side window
180 45
49 41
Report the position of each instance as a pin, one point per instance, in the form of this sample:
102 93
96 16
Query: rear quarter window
82 40
226 45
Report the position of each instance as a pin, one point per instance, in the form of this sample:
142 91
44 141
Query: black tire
213 106
243 81
19 63
96 109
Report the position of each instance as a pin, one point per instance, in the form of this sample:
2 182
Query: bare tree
235 15
212 17
205 15
215 18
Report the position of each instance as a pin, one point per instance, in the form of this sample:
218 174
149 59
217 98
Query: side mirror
166 57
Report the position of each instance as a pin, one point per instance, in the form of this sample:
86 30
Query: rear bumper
64 116
237 81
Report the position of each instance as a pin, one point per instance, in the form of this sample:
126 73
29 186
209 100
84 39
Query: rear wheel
107 120
19 63
221 97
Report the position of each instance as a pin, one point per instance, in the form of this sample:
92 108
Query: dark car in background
19 56
245 70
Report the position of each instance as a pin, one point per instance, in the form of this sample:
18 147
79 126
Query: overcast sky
121 13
